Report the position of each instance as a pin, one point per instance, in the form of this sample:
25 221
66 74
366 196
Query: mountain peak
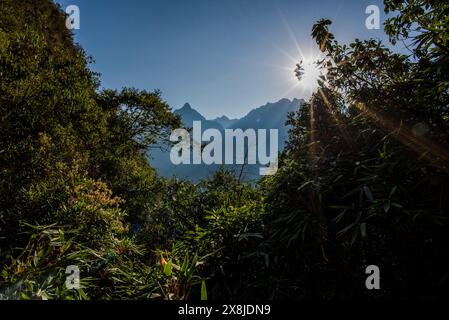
186 107
225 121
284 100
296 100
188 114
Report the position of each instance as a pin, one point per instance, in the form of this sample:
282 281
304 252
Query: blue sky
221 56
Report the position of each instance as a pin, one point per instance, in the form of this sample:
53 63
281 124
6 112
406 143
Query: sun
310 73
308 55
303 82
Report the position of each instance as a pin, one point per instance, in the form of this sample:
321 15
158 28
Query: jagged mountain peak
223 118
270 116
186 107
225 121
188 114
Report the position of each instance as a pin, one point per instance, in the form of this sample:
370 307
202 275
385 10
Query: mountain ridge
272 115
225 121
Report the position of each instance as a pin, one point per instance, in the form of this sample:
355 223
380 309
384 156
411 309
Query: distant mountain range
225 121
269 116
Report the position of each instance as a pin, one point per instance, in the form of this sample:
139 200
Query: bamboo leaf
203 291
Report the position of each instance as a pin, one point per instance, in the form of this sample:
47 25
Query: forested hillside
364 179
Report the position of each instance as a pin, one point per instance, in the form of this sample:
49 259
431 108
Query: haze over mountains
225 121
269 116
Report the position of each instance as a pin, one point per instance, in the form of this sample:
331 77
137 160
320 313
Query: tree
367 164
72 163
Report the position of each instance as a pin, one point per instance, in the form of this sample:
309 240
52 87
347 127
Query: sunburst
309 72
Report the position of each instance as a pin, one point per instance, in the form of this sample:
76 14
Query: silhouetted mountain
225 121
160 158
188 115
269 116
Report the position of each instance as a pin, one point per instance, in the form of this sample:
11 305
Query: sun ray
425 148
290 90
285 53
291 34
341 127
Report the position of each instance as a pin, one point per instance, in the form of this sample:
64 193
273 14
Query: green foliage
181 275
72 163
34 273
38 270
367 162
